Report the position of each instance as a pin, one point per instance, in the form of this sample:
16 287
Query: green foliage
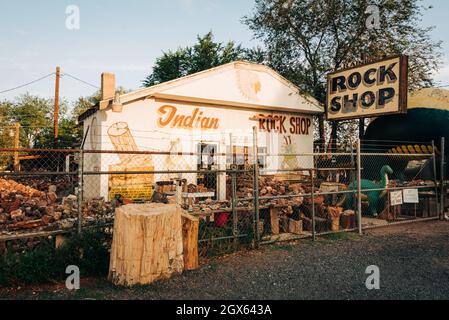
213 247
205 54
45 263
306 39
36 118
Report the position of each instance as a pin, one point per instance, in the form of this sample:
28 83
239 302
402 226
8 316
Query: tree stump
147 243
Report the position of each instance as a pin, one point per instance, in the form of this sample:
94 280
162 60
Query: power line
78 79
27 84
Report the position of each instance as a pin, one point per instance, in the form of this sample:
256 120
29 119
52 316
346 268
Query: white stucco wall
149 130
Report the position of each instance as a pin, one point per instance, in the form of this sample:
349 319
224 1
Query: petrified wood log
147 243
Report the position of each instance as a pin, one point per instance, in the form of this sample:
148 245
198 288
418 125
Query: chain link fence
243 195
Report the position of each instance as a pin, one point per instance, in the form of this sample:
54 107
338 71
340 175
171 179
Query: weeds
45 263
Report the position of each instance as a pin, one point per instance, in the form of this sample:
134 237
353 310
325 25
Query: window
243 155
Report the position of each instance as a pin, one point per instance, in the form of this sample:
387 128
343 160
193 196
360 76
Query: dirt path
413 261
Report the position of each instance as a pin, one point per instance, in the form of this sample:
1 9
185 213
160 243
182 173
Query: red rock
50 210
15 205
57 215
47 219
52 197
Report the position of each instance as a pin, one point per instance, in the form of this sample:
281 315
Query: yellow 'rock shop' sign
372 89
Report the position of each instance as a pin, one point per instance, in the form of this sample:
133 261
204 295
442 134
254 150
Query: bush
45 263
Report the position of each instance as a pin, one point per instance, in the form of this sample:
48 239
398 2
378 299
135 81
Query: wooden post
274 219
334 136
190 228
322 132
16 146
361 128
359 187
56 111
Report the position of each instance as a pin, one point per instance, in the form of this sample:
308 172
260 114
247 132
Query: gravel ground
413 261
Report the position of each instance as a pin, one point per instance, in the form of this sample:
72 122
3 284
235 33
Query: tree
6 132
205 54
306 39
34 114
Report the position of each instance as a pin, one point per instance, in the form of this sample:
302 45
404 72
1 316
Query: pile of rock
25 208
43 183
269 186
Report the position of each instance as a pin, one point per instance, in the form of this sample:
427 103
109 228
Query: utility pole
334 136
56 111
361 128
16 146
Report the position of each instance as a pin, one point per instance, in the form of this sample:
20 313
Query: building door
207 161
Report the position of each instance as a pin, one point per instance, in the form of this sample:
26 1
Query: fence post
435 177
256 186
359 187
233 204
80 190
313 205
442 176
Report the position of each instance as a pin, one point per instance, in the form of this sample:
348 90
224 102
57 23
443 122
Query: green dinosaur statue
374 198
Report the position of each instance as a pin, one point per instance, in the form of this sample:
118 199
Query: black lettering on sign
385 96
367 99
350 105
338 84
387 72
367 79
335 105
354 80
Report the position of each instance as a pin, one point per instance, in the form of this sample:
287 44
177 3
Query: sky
125 38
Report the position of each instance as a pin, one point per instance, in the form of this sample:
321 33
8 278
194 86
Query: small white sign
411 196
396 198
